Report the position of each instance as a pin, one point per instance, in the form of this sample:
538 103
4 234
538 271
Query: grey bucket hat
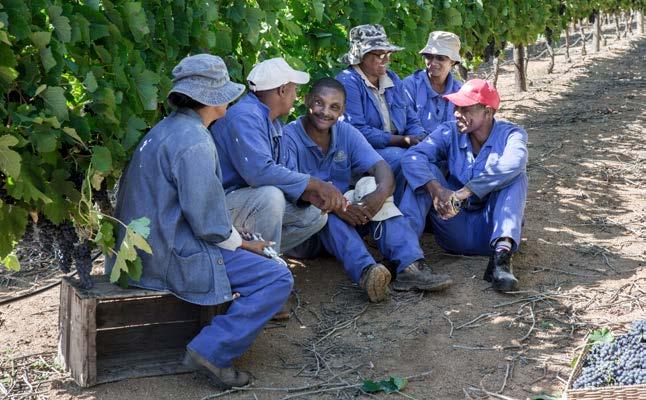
205 78
364 39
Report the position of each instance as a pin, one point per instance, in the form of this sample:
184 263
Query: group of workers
373 155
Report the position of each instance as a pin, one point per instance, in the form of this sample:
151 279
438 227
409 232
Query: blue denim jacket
174 180
502 158
252 152
362 109
432 109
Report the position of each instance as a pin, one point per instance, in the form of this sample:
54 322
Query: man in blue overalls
469 174
263 196
320 145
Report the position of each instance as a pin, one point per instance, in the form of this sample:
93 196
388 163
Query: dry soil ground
581 266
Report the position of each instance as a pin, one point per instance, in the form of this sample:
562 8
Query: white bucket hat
364 187
443 44
274 73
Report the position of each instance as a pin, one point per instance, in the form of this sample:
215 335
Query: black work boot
419 276
374 281
222 378
499 272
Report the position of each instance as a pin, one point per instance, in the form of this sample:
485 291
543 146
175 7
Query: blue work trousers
396 241
264 286
393 155
471 232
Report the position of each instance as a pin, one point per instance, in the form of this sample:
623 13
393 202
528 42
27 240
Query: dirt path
582 266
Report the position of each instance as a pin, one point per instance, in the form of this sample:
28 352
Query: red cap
475 91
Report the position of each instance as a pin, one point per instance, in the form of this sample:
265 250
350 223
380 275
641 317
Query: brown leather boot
374 281
418 276
222 378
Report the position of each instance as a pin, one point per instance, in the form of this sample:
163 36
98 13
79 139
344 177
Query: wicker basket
616 392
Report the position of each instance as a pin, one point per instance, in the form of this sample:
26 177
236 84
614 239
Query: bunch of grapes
83 261
66 236
620 362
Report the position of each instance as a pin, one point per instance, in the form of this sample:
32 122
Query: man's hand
442 200
372 202
324 196
404 141
354 215
256 246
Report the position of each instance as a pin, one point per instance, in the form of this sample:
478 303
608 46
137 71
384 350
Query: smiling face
472 118
375 63
324 107
438 66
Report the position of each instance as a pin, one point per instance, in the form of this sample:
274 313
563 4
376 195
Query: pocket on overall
190 274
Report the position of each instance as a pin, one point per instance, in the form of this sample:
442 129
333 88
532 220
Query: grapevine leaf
105 237
318 7
146 82
602 335
370 386
545 397
140 226
13 221
61 24
388 386
41 39
133 132
141 243
40 89
46 140
9 159
11 262
7 75
29 186
211 11
96 180
119 263
72 132
136 18
400 383
90 82
101 158
135 268
54 97
47 59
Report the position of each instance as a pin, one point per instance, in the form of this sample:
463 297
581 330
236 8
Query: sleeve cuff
233 242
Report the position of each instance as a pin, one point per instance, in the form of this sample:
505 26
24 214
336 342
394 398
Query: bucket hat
274 73
443 44
205 79
475 91
364 187
364 39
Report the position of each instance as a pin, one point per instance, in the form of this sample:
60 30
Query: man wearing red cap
468 176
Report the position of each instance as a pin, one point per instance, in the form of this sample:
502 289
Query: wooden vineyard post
567 45
496 67
596 33
584 52
617 30
519 68
640 22
549 36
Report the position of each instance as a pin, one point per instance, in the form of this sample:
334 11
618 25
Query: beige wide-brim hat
363 40
443 44
364 187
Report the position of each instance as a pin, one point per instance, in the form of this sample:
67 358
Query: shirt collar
463 139
384 80
255 100
448 86
307 140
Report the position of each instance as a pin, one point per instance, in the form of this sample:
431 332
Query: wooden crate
108 333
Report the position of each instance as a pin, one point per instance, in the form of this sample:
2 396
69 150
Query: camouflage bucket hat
364 39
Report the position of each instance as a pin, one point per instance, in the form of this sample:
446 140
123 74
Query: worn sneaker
222 378
500 273
374 281
418 276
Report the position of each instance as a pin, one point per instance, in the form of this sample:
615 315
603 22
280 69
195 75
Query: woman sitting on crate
174 179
